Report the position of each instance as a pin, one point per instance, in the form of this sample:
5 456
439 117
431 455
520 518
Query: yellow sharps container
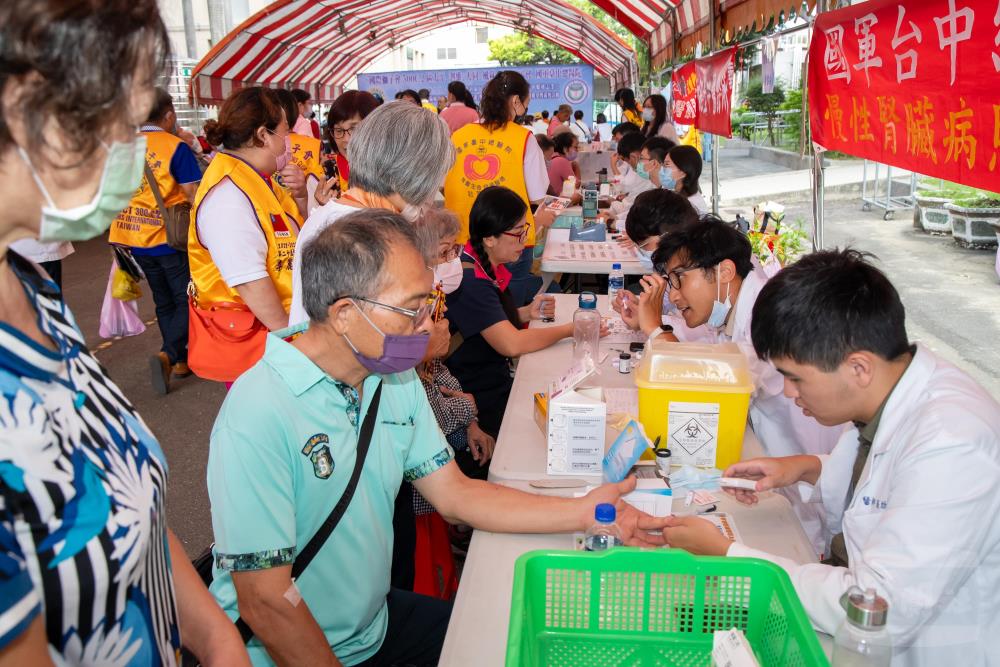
695 397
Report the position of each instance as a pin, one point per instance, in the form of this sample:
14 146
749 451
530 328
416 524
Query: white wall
425 52
173 15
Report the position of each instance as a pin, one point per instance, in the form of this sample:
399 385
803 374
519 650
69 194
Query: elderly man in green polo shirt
285 444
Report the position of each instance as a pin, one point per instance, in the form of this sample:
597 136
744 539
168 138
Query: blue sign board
551 85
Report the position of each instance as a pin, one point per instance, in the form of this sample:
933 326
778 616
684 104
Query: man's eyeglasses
521 236
418 316
341 132
674 277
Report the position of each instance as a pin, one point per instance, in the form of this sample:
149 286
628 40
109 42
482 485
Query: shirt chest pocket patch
317 449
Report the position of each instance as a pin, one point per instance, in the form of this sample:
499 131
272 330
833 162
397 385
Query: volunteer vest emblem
280 226
317 448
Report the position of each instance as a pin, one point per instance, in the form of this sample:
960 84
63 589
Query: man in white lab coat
912 491
711 279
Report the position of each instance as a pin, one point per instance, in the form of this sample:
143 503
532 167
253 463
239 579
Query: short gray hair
401 149
348 257
436 225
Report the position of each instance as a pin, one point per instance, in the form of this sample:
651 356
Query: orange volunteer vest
279 228
482 159
140 224
306 154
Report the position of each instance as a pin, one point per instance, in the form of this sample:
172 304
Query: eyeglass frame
340 132
522 237
674 277
454 251
417 317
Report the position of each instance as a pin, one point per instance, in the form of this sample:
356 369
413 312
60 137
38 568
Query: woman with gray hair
399 157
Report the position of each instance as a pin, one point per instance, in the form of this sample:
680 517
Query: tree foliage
519 49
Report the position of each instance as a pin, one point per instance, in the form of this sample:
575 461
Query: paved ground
952 298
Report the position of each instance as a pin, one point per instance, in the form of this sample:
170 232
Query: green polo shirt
282 451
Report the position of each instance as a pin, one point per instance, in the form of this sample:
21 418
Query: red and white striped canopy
319 45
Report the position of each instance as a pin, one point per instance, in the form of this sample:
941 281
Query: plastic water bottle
586 328
862 640
605 533
616 281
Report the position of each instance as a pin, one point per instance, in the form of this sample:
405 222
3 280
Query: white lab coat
781 426
922 525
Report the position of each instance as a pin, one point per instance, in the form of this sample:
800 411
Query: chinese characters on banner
551 85
703 93
715 92
685 103
913 84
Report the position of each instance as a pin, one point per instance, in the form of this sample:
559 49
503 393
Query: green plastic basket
641 607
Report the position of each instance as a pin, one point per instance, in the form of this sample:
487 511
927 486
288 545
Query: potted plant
975 221
930 214
776 250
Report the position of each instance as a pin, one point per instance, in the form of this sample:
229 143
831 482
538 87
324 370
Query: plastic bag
119 318
123 286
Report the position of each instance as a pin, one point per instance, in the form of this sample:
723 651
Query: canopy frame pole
716 197
819 169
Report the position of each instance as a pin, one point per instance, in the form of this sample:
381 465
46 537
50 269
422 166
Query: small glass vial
625 363
663 458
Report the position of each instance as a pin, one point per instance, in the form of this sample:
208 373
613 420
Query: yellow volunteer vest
634 117
140 224
306 154
482 159
278 228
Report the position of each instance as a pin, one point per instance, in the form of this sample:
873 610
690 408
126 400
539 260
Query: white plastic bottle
863 640
605 533
586 328
616 281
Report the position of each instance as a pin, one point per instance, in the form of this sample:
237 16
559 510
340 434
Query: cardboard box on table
576 419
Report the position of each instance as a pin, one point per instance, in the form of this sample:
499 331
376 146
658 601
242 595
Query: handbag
118 318
203 563
176 219
224 340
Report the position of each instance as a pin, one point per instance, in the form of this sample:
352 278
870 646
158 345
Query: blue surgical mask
572 155
720 310
667 181
641 170
122 175
645 258
613 145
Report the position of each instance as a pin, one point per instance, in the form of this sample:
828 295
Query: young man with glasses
707 273
288 438
911 491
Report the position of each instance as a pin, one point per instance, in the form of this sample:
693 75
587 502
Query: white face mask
449 275
645 258
720 310
648 115
122 175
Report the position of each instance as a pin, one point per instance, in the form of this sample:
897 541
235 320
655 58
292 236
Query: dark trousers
415 635
168 277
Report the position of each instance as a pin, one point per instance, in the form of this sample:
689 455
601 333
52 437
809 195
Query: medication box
695 398
576 424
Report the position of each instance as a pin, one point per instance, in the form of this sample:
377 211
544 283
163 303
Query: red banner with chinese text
715 92
911 84
685 101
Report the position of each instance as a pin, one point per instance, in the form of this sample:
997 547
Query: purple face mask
399 353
